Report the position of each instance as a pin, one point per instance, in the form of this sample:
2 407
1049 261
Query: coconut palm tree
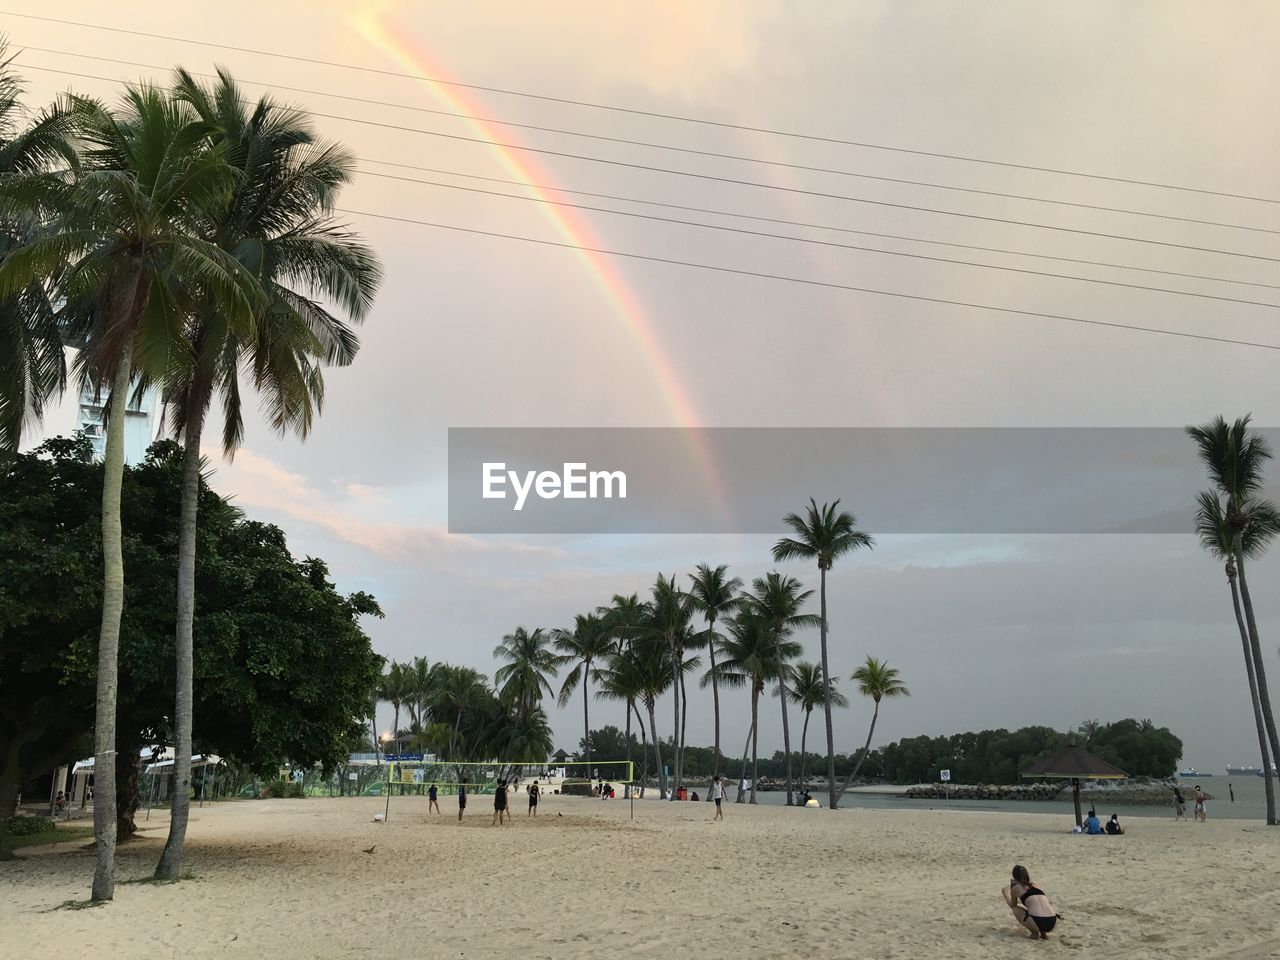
455 693
714 594
397 690
531 665
1235 460
32 361
807 693
421 682
619 679
778 600
652 666
1218 540
669 621
877 680
753 656
588 642
278 223
825 533
127 247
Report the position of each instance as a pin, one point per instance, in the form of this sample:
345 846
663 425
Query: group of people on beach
1180 804
501 803
1095 827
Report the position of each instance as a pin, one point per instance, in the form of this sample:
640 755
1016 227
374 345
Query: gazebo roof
560 754
1072 762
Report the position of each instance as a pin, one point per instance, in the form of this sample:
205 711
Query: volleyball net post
417 774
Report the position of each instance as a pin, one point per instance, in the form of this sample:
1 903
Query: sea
1249 804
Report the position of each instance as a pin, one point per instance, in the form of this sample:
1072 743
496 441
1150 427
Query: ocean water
1250 802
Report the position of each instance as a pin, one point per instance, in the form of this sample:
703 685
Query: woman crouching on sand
1029 904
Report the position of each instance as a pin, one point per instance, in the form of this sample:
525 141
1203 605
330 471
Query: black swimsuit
1044 923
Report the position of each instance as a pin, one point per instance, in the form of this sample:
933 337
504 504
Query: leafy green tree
127 252
587 643
277 223
778 600
807 692
714 594
877 680
825 533
32 360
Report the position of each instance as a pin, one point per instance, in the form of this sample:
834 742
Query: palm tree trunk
715 701
586 719
644 750
804 757
746 746
1260 670
675 730
1268 786
755 739
684 719
626 738
104 748
866 748
170 865
657 753
832 798
786 737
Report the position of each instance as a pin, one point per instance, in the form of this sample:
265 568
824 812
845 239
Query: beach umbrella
1075 764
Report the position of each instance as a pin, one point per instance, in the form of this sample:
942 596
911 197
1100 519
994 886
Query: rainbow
569 224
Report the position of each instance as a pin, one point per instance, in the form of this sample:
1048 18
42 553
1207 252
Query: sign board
946 776
353 776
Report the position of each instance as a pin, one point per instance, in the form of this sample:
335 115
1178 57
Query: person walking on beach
533 799
462 800
1029 904
432 803
1179 804
500 803
1199 796
717 794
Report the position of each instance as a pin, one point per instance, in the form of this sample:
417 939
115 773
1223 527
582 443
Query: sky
473 330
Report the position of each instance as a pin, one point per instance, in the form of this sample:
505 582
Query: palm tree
778 599
754 655
421 682
587 643
277 223
877 680
456 691
824 533
806 693
714 594
127 247
1218 540
623 678
32 361
668 620
1235 462
531 665
397 690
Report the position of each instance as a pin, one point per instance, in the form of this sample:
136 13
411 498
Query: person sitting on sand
1092 825
1113 826
694 797
1029 904
432 802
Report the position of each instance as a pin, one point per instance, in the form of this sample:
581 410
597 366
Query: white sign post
946 779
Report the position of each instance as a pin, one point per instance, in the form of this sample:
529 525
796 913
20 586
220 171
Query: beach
290 878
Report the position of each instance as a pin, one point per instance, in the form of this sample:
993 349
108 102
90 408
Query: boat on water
1191 772
1247 771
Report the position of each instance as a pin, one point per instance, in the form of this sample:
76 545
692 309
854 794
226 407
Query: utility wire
816 226
692 151
755 183
824 243
747 216
831 285
816 138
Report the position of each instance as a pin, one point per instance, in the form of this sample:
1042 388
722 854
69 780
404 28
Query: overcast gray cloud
475 331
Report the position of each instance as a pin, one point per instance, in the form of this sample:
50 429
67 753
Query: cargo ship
1247 771
1191 773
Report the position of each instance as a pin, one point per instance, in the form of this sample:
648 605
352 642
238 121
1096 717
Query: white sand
287 878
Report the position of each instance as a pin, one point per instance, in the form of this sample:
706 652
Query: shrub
21 826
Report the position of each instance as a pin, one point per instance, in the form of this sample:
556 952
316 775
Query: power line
729 213
828 284
756 183
826 243
724 125
782 221
692 151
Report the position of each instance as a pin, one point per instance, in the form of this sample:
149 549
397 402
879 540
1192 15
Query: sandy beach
290 879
